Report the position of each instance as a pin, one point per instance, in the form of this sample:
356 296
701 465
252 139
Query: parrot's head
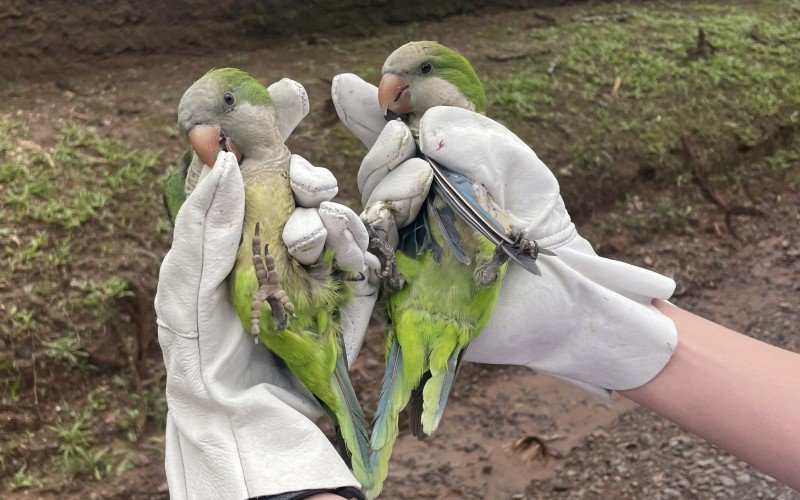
229 110
421 75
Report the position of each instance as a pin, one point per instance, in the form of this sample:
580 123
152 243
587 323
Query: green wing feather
174 194
174 187
436 392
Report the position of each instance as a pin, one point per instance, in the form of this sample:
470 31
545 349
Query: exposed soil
41 35
749 284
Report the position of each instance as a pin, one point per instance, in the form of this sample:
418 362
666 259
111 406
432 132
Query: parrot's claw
530 249
487 273
278 312
269 289
525 246
385 253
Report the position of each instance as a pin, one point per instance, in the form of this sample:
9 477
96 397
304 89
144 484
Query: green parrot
292 308
450 269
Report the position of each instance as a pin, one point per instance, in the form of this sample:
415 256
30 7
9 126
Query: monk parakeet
451 258
292 308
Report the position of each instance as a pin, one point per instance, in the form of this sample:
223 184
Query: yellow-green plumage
433 318
309 345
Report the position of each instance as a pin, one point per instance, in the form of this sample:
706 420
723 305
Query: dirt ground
748 280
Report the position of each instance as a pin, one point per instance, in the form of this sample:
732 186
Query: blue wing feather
442 213
465 187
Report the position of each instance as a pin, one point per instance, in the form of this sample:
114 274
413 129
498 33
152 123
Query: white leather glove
238 425
586 319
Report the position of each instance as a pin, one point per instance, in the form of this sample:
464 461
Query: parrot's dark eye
425 68
228 98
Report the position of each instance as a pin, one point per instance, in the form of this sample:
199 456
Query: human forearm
735 391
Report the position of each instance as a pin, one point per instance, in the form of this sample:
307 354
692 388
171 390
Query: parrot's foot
269 288
487 273
385 253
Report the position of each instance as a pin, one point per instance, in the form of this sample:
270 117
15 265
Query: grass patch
729 97
64 211
78 452
76 223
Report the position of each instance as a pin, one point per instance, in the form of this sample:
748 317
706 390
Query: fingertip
396 129
333 209
304 235
352 222
311 185
230 174
394 146
335 82
356 103
371 262
228 202
667 288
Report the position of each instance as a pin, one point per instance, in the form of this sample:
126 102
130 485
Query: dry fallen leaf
531 446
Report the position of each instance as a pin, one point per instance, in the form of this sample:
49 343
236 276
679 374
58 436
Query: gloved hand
238 425
318 223
586 319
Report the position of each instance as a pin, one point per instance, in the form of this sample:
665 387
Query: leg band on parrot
269 288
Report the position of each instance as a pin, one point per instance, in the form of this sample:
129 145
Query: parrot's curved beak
394 95
208 140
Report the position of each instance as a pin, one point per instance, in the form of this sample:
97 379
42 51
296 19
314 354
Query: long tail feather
352 425
436 393
340 444
394 396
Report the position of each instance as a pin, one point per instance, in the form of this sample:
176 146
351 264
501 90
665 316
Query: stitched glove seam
311 237
309 189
